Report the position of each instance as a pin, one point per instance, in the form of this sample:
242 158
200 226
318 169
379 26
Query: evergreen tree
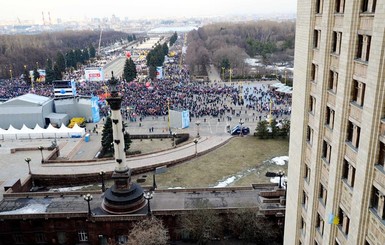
173 39
36 74
60 62
85 56
165 48
49 73
78 57
70 58
262 129
92 51
107 139
26 75
152 72
274 128
56 72
129 71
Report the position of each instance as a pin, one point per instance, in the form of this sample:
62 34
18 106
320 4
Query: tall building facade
336 176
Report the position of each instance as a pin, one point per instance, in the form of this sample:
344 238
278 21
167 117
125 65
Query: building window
344 222
309 135
326 151
317 39
323 194
381 156
336 42
314 71
353 134
329 118
304 199
377 202
122 239
363 47
303 226
83 236
333 80
348 173
320 224
358 92
340 6
18 238
307 173
368 6
40 238
312 102
318 6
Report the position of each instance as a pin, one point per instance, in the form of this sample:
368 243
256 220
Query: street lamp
198 123
173 138
154 186
223 73
196 146
241 123
88 199
102 173
28 160
41 148
280 174
148 196
10 73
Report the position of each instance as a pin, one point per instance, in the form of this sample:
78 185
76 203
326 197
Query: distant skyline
140 9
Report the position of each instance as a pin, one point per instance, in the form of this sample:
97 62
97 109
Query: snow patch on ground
65 189
280 160
29 209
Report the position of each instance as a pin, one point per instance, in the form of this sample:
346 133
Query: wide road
117 66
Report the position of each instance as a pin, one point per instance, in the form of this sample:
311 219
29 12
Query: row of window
366 6
362 47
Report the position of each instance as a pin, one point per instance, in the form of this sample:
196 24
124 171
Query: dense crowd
175 91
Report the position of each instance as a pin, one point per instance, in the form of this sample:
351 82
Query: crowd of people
177 91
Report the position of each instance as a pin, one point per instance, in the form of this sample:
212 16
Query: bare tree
149 231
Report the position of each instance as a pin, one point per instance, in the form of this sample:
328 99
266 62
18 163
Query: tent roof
27 99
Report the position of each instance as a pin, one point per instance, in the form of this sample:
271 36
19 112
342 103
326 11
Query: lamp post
41 148
10 73
198 123
173 139
196 146
88 199
154 186
28 160
241 128
223 73
280 174
148 196
102 173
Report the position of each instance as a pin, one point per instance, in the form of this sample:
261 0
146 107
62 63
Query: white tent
38 132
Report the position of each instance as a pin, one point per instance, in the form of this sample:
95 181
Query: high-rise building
336 176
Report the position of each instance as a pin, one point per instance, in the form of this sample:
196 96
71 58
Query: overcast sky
134 9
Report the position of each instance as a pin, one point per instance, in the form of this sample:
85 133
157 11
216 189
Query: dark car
237 130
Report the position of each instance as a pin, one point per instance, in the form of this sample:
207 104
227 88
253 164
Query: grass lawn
245 158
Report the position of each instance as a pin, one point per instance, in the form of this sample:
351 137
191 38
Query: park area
241 162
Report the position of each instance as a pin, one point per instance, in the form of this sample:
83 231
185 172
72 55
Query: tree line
26 52
156 58
228 44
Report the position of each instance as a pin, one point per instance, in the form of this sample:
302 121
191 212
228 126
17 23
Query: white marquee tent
40 133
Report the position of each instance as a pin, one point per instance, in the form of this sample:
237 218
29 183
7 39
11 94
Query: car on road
237 130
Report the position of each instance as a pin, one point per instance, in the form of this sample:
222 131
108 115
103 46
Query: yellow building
336 176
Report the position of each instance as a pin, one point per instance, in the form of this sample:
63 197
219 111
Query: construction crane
42 14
